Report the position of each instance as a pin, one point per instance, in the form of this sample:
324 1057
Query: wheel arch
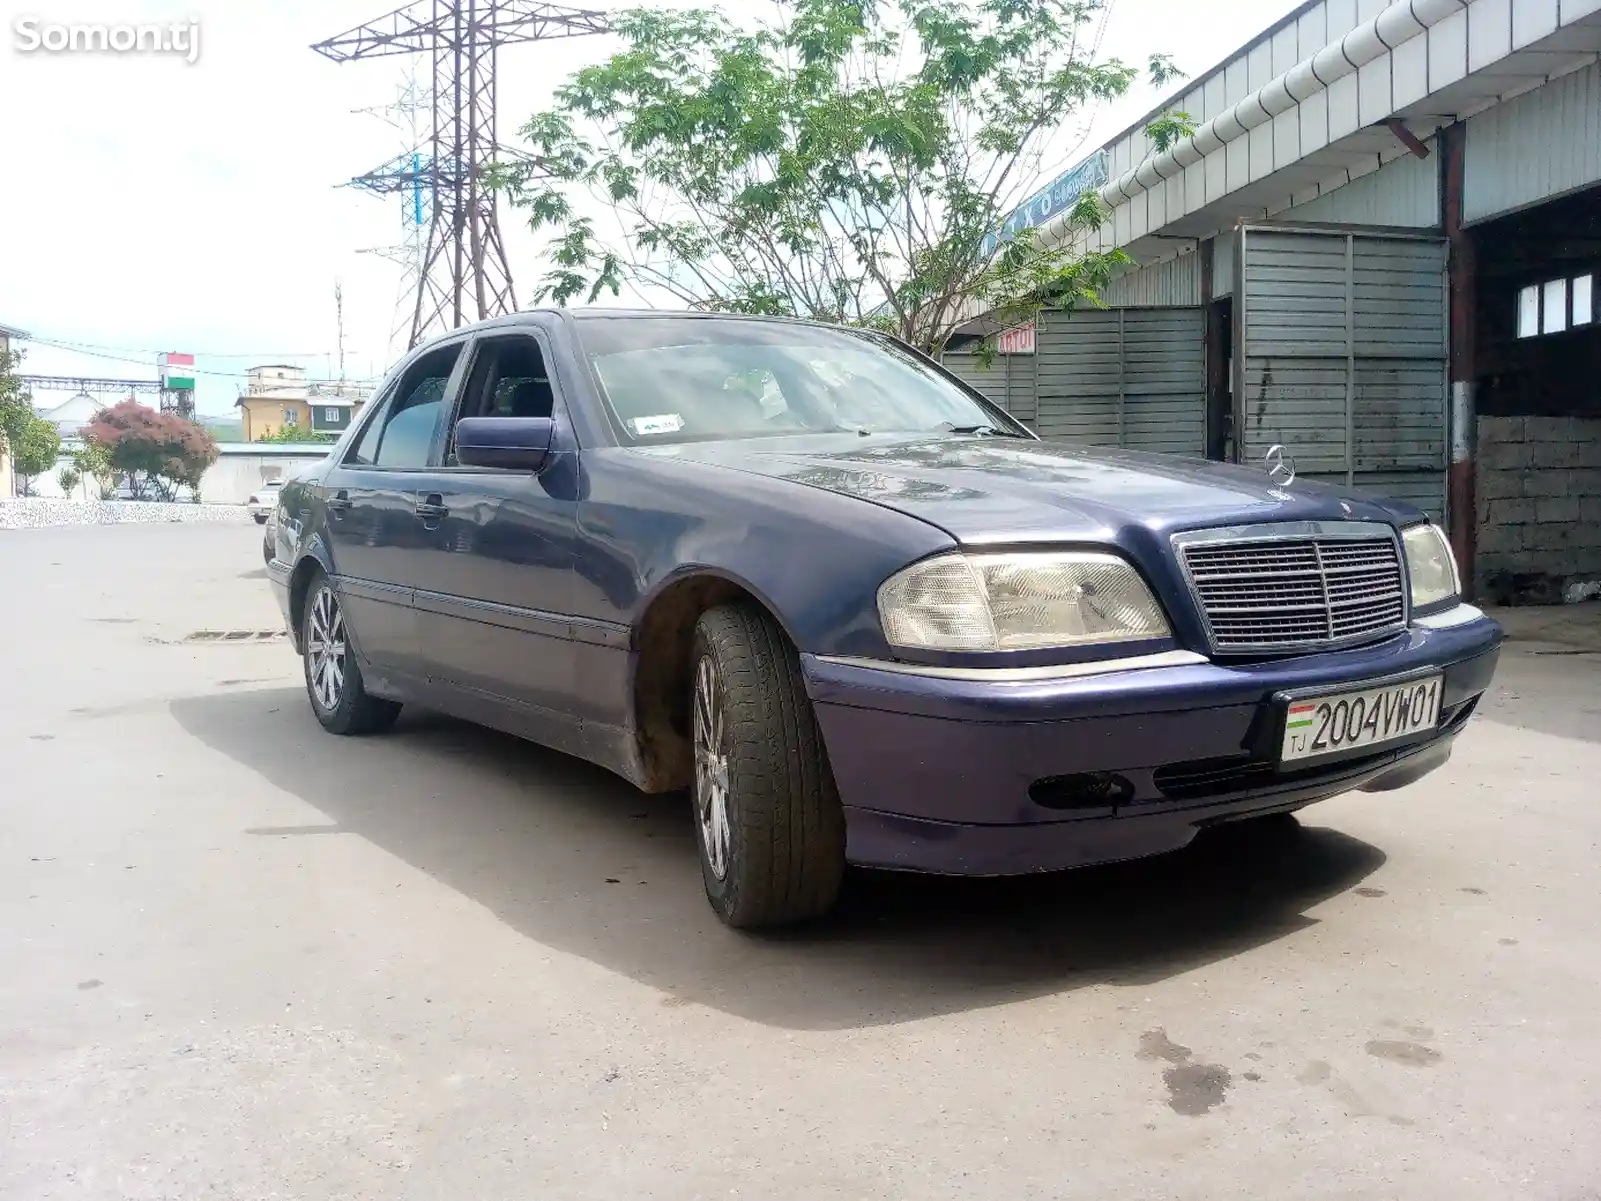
662 643
313 560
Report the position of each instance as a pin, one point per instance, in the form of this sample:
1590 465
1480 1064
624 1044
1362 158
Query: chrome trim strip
1460 615
1023 675
1275 531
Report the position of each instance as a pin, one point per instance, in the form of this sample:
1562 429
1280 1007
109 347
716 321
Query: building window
1554 307
1528 312
291 417
330 415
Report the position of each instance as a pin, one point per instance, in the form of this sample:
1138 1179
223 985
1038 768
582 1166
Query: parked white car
264 501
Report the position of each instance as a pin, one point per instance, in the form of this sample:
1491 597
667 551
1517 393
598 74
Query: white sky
147 204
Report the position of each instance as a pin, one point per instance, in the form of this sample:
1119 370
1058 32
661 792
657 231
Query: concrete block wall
1538 481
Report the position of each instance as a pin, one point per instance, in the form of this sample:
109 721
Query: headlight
1430 564
1025 600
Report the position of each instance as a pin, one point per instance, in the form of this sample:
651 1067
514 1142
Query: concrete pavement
241 958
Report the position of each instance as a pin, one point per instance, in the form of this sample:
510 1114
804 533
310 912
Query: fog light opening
1082 790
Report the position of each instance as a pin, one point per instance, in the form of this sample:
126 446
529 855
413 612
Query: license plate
1326 725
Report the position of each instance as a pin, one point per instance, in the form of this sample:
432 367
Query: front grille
1279 594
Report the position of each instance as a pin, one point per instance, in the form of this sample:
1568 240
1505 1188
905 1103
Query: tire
334 685
769 827
261 518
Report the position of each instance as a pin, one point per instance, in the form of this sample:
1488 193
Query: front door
375 538
495 585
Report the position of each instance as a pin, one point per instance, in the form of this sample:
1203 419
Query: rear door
375 539
1342 357
494 580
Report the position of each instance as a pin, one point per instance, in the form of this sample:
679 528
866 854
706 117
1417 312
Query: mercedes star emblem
1280 466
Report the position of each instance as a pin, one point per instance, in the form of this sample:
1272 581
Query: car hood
985 490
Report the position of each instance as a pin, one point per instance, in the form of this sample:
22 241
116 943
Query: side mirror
515 443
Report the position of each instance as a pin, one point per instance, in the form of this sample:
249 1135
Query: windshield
683 379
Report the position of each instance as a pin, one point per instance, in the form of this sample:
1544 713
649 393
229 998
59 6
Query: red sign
1017 340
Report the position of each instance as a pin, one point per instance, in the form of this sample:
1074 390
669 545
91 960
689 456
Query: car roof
595 312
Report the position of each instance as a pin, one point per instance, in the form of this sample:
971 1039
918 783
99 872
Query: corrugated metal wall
1131 377
1225 247
1175 281
1343 358
1008 381
1536 146
1403 192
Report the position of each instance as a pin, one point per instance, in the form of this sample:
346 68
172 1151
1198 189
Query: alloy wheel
711 767
326 648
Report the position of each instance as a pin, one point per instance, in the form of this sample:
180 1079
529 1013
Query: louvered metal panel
1008 381
1080 370
1134 378
1343 358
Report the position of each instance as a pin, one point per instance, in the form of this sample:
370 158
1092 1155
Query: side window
508 379
402 434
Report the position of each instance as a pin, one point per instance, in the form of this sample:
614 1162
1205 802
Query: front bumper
988 776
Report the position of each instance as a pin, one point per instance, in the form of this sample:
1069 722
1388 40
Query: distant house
9 334
278 396
70 416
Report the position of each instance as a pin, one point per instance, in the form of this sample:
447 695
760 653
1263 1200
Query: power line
77 349
262 355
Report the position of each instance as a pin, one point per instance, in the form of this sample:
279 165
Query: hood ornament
1280 466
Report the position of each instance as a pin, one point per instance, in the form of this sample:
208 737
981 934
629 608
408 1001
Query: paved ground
239 958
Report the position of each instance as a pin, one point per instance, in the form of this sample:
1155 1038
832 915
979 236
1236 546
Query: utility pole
464 274
339 317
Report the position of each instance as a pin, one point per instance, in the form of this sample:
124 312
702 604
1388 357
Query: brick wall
1539 496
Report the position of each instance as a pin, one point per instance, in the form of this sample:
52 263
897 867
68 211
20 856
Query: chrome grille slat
1296 592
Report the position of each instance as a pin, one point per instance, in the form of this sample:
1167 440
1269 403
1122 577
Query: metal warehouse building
1381 249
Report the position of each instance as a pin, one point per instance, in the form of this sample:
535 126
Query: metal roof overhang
1569 48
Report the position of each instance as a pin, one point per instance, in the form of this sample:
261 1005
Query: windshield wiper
988 431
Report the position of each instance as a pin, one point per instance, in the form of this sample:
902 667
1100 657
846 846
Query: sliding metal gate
1134 378
1008 381
1342 343
1131 377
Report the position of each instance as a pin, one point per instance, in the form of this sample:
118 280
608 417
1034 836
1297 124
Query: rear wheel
338 695
771 829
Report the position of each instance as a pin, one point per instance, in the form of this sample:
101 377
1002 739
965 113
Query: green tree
841 161
93 461
69 478
16 403
35 446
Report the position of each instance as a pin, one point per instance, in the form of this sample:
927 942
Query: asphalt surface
240 958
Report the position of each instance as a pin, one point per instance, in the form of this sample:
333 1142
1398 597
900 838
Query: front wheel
771 829
338 695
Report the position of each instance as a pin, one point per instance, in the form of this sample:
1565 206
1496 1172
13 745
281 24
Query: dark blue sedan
860 613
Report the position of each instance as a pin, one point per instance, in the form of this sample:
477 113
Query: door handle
431 507
338 503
